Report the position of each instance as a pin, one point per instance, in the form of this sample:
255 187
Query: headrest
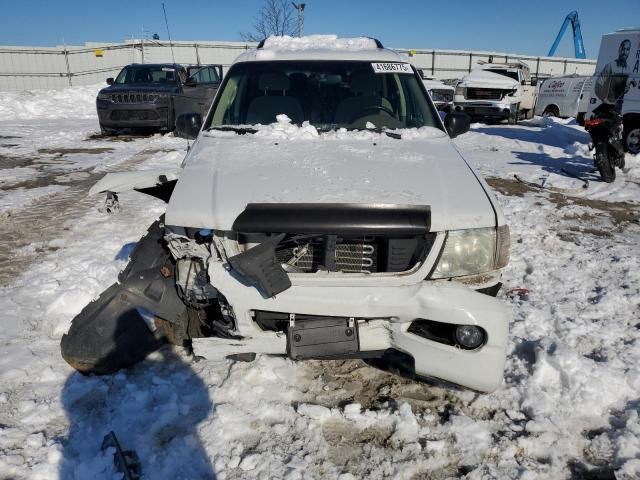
273 81
365 82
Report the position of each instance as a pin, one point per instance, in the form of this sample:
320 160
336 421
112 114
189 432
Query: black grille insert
363 254
485 93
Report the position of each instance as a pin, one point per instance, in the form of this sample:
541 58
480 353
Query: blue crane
578 45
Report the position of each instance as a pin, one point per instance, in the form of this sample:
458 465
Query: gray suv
147 96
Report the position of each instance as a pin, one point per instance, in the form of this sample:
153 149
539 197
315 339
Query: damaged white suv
322 212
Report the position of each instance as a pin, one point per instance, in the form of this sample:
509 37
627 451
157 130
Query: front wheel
603 163
632 139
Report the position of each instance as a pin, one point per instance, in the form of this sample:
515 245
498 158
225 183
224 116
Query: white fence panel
24 68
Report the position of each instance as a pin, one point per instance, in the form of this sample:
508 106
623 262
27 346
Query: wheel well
551 106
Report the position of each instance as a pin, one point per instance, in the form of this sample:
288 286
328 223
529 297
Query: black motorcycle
605 128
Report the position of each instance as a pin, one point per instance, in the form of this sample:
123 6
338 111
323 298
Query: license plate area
318 337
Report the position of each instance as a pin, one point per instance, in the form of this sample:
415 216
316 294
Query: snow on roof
319 42
321 47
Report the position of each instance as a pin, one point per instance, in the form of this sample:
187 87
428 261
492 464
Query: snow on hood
283 163
484 78
317 42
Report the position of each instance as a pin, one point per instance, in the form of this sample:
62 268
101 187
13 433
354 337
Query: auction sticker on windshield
391 68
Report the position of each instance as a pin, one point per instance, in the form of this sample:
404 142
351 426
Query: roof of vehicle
509 65
321 47
166 65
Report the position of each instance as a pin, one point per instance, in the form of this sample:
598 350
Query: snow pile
283 129
485 79
318 42
72 102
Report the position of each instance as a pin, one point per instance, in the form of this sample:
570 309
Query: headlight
473 251
460 91
158 96
104 96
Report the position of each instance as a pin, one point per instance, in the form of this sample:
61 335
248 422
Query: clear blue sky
527 27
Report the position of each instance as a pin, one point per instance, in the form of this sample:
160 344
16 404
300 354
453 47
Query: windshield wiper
384 130
238 130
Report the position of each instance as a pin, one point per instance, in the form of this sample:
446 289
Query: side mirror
110 81
534 82
457 123
188 125
190 82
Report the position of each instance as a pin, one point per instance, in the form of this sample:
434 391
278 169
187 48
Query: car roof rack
378 43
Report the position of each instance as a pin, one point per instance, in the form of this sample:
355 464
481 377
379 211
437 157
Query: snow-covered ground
570 401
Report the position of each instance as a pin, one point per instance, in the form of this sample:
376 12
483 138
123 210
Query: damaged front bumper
383 313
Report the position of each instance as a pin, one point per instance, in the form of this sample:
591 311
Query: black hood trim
334 218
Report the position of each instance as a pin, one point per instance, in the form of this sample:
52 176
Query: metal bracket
292 320
111 203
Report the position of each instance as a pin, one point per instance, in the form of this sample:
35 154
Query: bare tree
274 18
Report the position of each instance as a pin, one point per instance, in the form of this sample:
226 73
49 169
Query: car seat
273 100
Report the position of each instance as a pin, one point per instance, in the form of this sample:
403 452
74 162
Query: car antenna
166 22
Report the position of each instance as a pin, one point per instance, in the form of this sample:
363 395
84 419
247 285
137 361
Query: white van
565 96
617 81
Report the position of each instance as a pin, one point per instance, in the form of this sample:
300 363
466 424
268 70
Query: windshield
327 94
147 74
507 73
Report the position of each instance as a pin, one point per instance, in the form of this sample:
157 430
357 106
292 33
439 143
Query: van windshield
327 94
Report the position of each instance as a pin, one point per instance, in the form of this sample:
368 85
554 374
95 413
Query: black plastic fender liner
334 218
110 333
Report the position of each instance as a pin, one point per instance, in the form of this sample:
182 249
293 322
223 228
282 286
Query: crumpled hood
224 172
486 79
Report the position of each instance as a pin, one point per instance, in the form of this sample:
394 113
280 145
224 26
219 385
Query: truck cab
497 91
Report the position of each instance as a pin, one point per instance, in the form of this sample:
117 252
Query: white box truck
617 81
565 96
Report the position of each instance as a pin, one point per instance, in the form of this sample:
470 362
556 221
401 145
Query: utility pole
300 8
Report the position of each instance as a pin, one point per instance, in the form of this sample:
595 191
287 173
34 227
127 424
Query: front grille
133 97
485 94
441 95
365 254
134 115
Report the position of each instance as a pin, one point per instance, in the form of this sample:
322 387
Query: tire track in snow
38 223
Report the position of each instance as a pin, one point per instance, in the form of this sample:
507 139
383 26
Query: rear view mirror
188 125
457 123
110 81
